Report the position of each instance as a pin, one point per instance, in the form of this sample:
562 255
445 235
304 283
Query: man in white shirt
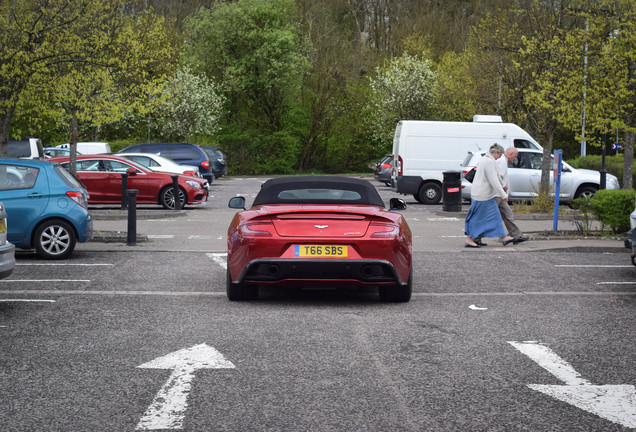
506 212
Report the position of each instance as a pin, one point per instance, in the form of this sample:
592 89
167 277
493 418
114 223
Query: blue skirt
484 220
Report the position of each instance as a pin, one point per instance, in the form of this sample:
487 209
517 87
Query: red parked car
319 231
102 177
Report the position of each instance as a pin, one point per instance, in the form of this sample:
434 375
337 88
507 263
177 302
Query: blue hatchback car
46 207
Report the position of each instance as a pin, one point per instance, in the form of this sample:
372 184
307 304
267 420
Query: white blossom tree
404 89
193 106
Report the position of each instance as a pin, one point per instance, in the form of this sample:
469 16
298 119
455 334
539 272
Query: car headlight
194 184
612 182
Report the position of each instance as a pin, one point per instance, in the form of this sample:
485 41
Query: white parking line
26 301
219 258
593 266
617 283
160 236
62 264
43 280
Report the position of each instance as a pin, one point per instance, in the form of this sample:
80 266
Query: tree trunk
546 164
72 166
628 163
5 123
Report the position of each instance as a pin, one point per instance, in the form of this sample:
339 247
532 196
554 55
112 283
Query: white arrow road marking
219 258
616 403
167 410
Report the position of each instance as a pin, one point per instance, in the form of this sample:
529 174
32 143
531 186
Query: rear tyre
166 197
398 293
54 239
429 193
239 292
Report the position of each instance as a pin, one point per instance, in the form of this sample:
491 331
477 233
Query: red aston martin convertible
319 231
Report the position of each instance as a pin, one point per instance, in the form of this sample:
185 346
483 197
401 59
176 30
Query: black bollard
175 192
124 188
132 217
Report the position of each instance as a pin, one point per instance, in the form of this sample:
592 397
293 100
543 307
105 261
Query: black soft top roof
273 191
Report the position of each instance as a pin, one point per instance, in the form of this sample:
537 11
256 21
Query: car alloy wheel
167 198
54 239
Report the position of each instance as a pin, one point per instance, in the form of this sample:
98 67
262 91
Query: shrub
612 208
613 165
583 219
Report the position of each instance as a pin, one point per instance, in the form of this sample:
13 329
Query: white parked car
525 178
7 250
160 163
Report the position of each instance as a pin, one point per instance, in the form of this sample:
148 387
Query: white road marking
63 264
593 266
26 301
219 258
443 219
43 280
160 236
200 237
168 408
473 307
617 283
616 403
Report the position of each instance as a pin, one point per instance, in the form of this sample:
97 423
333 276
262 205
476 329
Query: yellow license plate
321 251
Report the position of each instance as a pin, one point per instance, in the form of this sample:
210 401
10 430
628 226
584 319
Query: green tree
529 65
609 80
334 87
253 49
130 55
37 35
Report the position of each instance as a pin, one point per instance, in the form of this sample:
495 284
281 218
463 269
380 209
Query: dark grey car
383 169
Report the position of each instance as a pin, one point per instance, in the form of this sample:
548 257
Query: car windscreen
19 149
467 159
318 190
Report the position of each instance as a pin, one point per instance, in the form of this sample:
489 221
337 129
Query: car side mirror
397 204
131 171
237 203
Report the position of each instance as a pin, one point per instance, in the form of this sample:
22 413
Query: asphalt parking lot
536 336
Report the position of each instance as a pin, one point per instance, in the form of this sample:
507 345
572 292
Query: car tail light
398 166
257 229
190 173
384 229
78 197
206 164
385 166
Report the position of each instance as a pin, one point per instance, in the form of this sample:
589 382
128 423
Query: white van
88 148
26 148
423 150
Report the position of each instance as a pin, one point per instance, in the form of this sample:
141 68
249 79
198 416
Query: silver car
7 250
525 178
